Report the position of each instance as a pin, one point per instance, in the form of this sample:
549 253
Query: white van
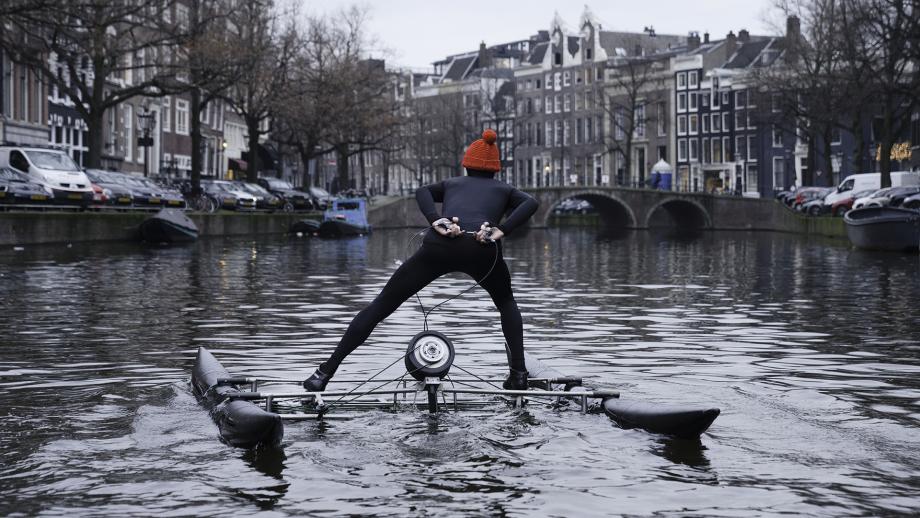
52 168
867 181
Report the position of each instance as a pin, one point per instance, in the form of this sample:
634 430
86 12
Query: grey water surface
810 348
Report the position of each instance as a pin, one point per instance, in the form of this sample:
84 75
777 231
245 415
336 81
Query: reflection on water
810 349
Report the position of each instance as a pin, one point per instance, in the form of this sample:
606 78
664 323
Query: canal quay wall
30 228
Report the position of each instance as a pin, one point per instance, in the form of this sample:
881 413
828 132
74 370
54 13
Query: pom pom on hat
482 154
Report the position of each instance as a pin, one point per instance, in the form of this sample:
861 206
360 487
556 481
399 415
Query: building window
694 124
693 79
548 79
704 100
539 132
640 121
835 137
726 148
681 124
558 139
181 116
694 150
707 151
740 153
682 150
129 131
579 131
558 103
716 123
549 134
775 103
706 123
567 103
750 119
681 102
752 149
725 122
662 121
725 98
567 78
693 101
589 130
777 137
779 174
619 120
549 104
740 98
682 81
716 150
577 101
739 120
751 182
166 114
539 84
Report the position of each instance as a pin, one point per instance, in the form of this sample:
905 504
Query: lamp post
146 122
546 170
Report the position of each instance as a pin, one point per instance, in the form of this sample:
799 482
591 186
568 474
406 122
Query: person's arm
426 196
522 206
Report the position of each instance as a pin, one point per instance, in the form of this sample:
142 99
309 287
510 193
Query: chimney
705 37
744 36
485 57
731 44
793 37
693 41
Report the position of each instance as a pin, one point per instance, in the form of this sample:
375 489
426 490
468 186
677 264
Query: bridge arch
613 211
680 213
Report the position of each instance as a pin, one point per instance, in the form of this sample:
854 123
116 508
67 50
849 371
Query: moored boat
305 226
168 226
884 228
346 217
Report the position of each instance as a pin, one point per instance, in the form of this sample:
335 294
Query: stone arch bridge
628 208
644 208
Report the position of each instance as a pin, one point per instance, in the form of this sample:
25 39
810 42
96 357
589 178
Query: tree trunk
363 172
305 161
859 153
386 173
884 159
253 166
195 114
828 159
341 165
96 131
809 177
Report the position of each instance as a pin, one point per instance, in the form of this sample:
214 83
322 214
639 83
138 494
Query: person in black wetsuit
471 203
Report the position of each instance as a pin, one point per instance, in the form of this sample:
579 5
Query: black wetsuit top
475 199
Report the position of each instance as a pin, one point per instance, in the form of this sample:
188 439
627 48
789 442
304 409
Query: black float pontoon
168 226
241 423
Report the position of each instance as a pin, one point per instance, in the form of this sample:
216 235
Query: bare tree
627 99
97 53
266 44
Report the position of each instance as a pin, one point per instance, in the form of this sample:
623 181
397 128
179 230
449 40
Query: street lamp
546 171
146 122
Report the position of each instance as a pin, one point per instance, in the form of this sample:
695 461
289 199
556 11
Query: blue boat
345 217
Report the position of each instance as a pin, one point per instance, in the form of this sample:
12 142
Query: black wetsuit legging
437 256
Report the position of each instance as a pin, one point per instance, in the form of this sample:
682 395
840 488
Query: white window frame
778 160
681 100
681 125
682 150
777 132
662 121
566 103
693 129
128 127
693 101
682 81
743 140
726 121
693 79
566 78
166 114
726 145
694 150
557 103
639 120
706 128
548 104
182 115
751 144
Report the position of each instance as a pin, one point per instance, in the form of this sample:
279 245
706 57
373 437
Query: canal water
811 350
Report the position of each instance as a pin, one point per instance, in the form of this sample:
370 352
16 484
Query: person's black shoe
317 382
516 380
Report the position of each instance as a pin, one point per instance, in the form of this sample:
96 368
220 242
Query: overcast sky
418 32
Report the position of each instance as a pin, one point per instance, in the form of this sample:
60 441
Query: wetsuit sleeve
426 196
522 207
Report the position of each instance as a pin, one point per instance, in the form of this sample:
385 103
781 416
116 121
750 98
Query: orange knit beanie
482 154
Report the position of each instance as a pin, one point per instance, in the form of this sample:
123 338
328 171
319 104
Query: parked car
843 205
264 199
293 199
229 196
814 207
20 189
897 196
807 194
878 198
116 193
169 196
911 202
52 168
321 198
867 181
